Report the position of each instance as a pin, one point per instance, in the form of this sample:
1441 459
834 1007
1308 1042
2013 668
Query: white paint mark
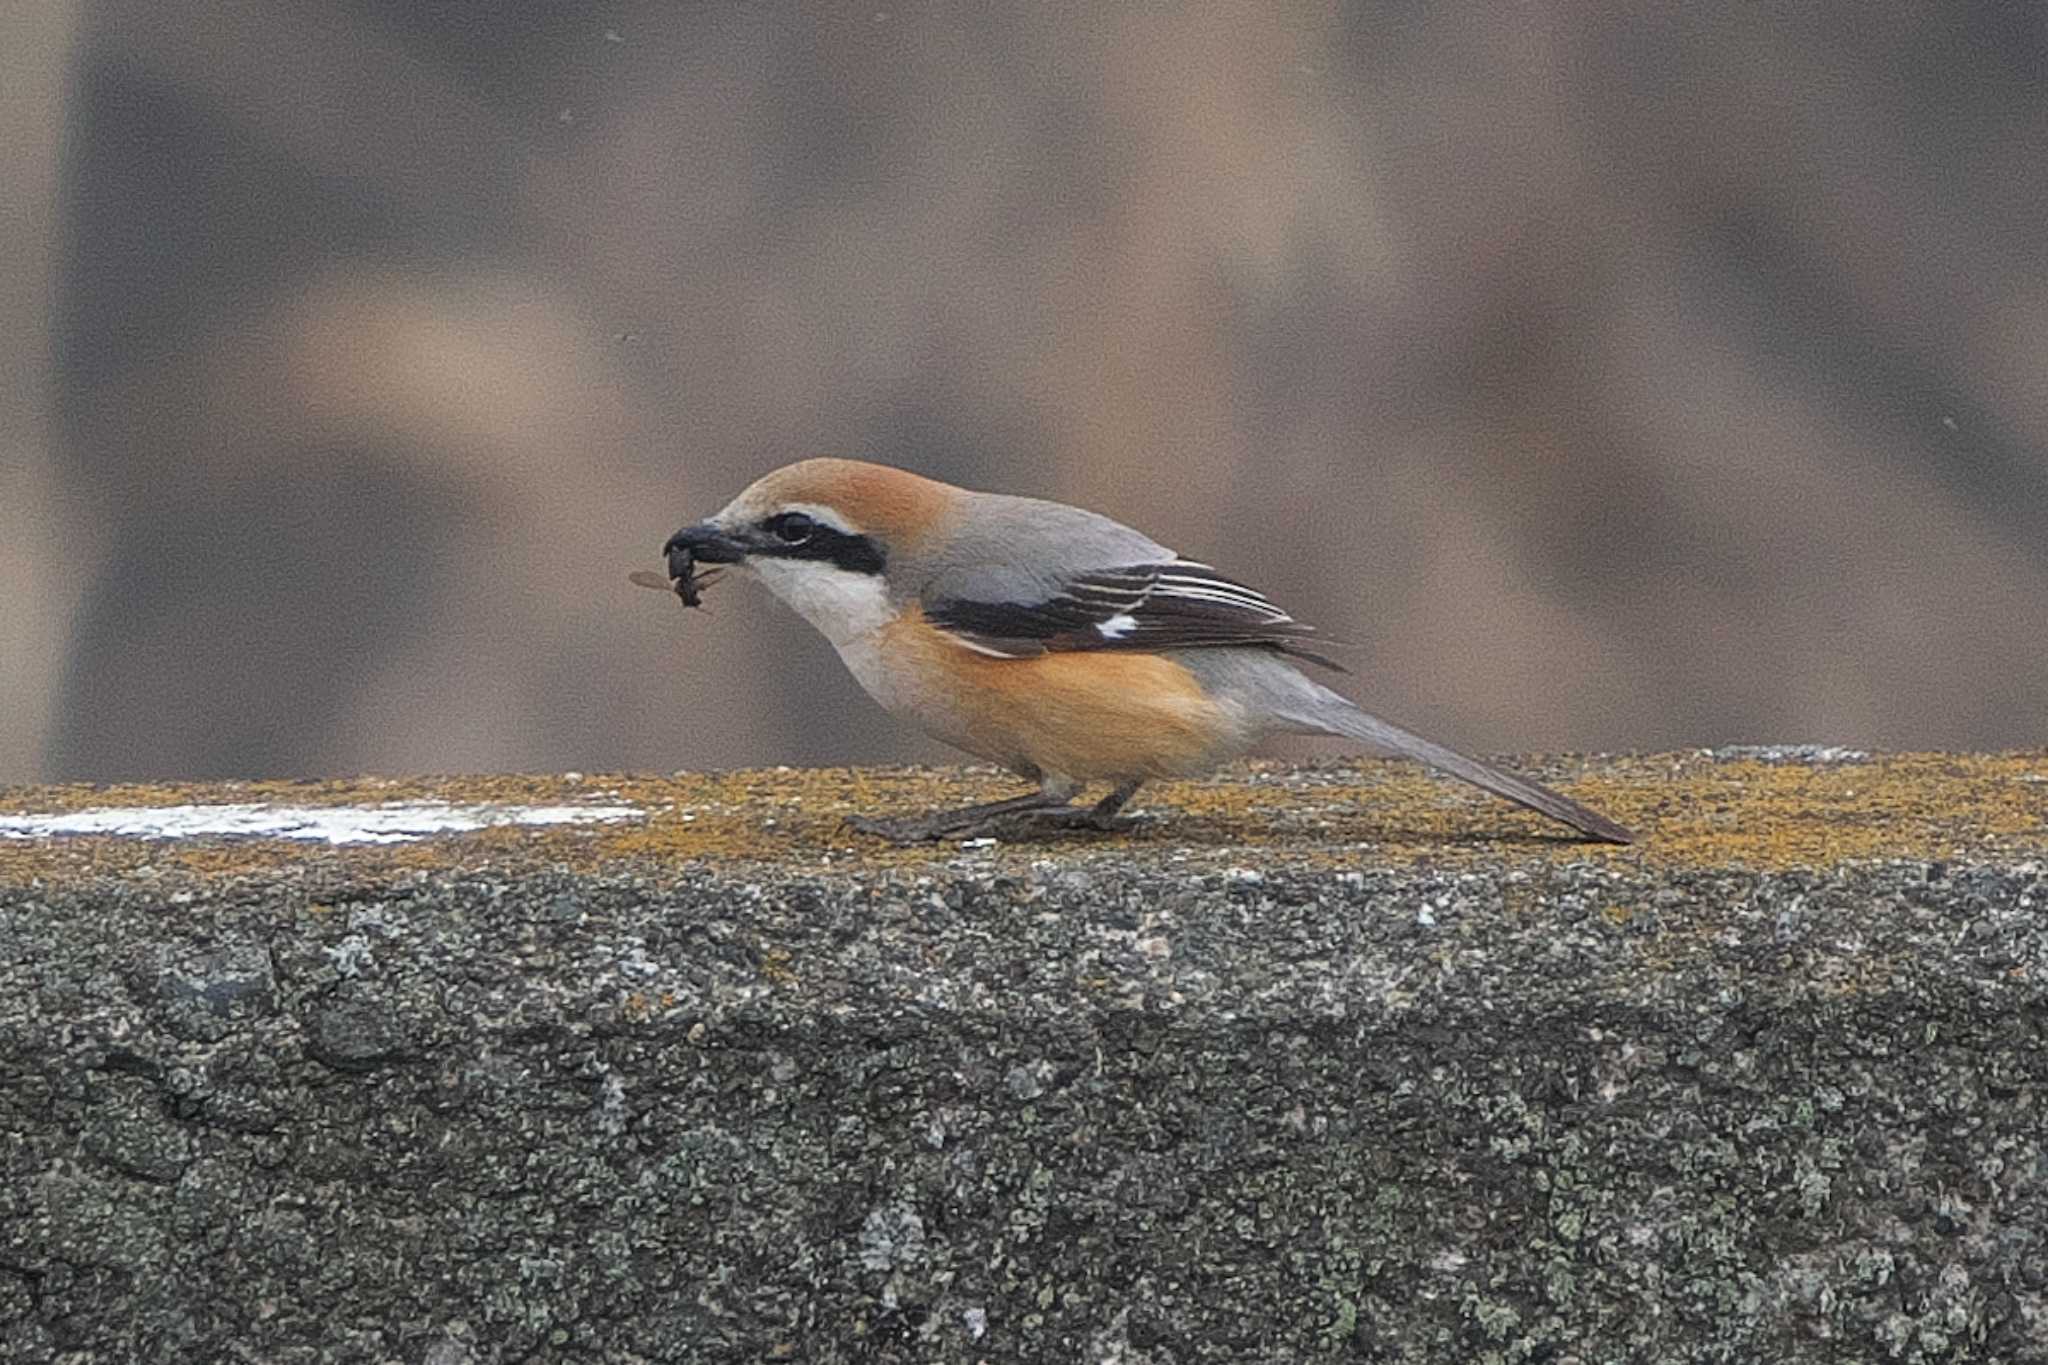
394 822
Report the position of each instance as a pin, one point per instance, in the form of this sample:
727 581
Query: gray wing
1040 577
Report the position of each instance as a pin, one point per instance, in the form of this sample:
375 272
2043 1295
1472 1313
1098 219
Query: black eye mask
792 535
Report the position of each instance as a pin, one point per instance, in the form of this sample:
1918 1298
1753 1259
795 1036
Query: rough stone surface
1263 1082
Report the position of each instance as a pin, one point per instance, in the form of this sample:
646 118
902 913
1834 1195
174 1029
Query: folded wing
1172 604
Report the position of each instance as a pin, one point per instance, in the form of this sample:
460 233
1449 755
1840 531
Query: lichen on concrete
1323 1063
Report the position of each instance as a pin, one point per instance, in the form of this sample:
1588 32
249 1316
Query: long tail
1335 715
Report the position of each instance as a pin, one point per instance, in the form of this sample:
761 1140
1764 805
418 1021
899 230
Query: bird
1049 640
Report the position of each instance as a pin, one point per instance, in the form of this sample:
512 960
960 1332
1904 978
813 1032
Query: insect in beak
689 586
702 543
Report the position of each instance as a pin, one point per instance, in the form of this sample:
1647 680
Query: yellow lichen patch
1772 815
1692 810
640 1006
325 792
775 965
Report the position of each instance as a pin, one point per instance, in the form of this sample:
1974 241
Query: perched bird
1061 645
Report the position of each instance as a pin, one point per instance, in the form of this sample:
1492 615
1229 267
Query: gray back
1012 549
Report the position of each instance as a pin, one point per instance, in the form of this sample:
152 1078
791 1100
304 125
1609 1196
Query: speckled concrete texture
1331 1063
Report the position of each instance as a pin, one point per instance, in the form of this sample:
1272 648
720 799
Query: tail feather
1342 718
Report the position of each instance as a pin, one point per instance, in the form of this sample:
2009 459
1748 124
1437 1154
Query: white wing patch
1117 626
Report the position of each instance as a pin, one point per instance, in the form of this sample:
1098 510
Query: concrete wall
1266 1082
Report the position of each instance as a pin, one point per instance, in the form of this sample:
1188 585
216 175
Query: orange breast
1095 715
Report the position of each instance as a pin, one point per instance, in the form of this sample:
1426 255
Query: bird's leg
1043 810
1100 816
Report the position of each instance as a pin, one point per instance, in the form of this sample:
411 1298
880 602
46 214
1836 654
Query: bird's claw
1023 826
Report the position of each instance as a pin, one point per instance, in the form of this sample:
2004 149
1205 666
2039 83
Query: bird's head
822 536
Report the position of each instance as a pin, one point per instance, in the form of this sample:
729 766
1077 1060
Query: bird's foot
1009 826
899 829
1030 826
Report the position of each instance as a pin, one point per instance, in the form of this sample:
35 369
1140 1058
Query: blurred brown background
1611 376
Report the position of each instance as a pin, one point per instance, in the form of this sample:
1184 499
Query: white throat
843 605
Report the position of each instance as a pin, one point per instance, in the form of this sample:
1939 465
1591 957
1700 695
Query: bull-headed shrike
1056 643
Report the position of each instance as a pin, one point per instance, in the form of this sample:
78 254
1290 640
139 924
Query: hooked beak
701 544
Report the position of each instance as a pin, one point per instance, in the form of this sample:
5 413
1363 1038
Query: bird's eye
792 528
